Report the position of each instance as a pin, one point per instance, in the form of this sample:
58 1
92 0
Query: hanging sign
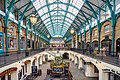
34 69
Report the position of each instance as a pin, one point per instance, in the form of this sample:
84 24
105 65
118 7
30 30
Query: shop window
12 43
9 77
107 29
2 5
22 43
0 42
3 78
28 43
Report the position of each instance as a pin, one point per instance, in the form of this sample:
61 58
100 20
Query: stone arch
117 46
102 34
95 44
117 31
65 55
1 23
34 62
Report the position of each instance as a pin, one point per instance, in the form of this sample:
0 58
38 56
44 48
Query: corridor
77 73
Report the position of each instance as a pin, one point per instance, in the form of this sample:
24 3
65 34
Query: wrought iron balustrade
14 56
100 55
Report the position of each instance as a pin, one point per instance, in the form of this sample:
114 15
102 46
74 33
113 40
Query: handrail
100 55
14 56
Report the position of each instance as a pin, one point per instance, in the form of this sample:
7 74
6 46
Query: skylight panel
58 15
62 6
53 6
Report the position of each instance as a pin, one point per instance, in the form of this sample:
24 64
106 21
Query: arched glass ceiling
57 15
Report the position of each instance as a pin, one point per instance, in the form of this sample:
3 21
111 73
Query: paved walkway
77 74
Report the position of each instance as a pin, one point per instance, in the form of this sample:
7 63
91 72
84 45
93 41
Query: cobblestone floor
77 73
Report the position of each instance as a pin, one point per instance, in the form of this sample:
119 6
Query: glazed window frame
106 28
14 41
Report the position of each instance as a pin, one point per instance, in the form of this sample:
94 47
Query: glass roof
57 15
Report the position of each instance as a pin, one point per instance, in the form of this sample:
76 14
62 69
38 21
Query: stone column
76 41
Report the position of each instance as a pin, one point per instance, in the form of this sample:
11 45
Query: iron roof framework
56 17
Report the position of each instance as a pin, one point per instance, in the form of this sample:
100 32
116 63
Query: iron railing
101 55
14 56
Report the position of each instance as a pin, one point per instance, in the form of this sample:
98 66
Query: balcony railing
101 55
14 56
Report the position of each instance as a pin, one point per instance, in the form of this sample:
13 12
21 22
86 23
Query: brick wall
94 38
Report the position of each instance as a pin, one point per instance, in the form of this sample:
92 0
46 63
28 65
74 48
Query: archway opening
65 56
95 45
46 57
107 44
88 45
118 46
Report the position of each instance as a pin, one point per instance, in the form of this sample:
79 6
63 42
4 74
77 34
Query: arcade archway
118 46
65 56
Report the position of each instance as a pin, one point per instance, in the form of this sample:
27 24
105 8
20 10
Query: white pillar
80 64
103 76
29 68
75 60
40 59
6 77
14 75
89 72
37 63
76 41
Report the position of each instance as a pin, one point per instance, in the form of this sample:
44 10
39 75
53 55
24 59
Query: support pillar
80 64
98 40
75 60
89 71
76 41
103 75
26 36
90 39
84 39
113 39
6 39
37 63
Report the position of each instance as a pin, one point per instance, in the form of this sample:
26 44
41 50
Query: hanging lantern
48 36
72 30
65 38
33 19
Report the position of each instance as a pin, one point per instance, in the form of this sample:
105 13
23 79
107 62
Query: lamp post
33 19
72 30
48 36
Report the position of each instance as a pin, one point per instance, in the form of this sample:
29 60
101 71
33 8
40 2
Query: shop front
106 44
118 46
22 39
95 45
33 45
28 41
1 37
1 43
12 37
9 74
